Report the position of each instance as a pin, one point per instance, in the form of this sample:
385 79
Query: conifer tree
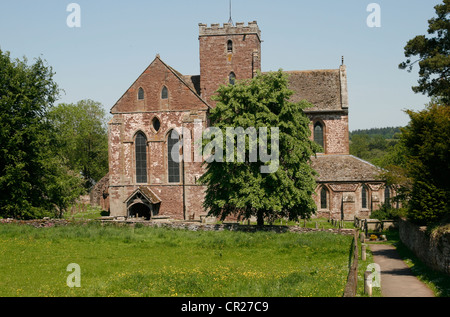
432 55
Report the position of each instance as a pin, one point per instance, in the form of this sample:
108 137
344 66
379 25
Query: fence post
368 283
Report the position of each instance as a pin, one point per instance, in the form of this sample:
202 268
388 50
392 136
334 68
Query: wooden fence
352 279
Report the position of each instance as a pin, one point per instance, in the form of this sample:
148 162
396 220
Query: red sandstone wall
216 63
131 116
345 199
336 133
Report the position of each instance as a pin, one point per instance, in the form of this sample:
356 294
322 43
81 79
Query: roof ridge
180 77
174 71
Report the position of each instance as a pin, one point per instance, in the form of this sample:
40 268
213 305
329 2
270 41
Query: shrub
385 212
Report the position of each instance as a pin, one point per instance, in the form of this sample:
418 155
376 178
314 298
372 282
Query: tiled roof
322 88
344 168
147 193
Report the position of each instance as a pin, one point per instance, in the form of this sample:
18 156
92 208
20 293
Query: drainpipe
184 182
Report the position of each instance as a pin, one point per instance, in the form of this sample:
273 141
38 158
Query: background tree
240 189
374 145
30 174
433 55
83 138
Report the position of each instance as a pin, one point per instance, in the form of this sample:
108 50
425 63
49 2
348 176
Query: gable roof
147 193
344 168
326 89
191 82
319 87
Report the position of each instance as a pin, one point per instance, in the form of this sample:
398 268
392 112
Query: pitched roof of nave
326 89
322 88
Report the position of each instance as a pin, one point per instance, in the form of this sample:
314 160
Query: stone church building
145 181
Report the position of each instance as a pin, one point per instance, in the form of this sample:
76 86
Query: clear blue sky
117 40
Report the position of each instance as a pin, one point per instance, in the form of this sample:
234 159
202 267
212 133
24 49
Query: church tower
227 53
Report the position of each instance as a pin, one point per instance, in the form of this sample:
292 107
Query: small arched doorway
142 203
140 210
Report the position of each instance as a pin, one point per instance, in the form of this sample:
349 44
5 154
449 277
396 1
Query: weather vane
230 20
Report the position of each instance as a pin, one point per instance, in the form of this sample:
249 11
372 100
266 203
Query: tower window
141 94
164 93
141 158
318 134
324 198
230 46
173 157
232 78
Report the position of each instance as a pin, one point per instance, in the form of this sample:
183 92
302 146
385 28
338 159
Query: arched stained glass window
173 157
324 198
164 93
141 158
232 78
141 94
364 197
318 134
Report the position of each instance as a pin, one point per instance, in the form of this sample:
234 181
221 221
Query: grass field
157 262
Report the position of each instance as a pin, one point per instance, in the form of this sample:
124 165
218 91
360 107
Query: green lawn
124 261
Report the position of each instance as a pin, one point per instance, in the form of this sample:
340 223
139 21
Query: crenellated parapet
229 29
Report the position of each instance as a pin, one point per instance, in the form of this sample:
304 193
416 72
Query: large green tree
83 138
241 188
432 55
419 164
426 140
32 177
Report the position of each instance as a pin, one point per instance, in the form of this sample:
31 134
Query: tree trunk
260 218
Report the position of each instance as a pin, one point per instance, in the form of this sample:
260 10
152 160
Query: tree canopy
426 139
83 138
432 55
238 187
33 179
419 164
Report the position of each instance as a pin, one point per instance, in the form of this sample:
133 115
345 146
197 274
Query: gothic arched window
324 198
364 197
141 158
173 156
232 78
387 196
318 134
164 93
141 94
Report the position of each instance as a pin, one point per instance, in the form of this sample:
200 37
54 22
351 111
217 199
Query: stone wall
182 225
99 194
433 250
180 112
197 226
217 62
